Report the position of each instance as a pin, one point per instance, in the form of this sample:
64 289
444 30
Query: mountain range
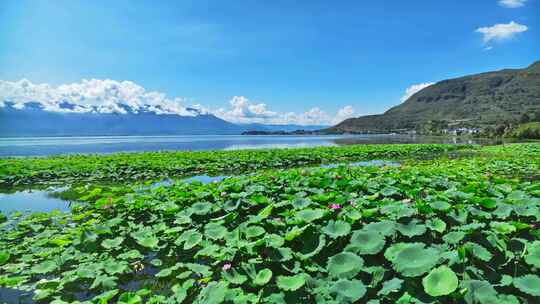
34 120
475 101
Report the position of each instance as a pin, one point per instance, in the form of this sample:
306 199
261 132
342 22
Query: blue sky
292 56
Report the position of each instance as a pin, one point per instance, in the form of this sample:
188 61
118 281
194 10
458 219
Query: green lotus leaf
454 237
44 267
436 225
112 243
440 281
310 215
411 229
503 211
390 286
254 231
503 227
42 294
348 291
179 292
506 280
385 227
104 281
366 242
145 238
191 238
440 205
344 265
104 297
214 231
533 254
529 284
478 251
213 293
201 208
336 229
389 191
507 299
291 283
263 277
274 240
301 203
234 277
412 259
4 257
481 292
129 298
487 202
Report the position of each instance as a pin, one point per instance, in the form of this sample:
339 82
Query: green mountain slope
478 101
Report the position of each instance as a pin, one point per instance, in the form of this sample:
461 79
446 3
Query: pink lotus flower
226 267
335 206
223 194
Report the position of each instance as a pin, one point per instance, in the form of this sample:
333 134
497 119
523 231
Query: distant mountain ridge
480 100
34 120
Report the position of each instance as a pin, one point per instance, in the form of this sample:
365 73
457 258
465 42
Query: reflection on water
40 146
205 179
33 201
8 295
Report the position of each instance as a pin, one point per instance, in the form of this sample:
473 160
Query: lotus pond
450 224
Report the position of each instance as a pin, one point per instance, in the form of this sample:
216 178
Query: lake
43 146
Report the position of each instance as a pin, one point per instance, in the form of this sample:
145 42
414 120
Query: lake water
32 201
42 146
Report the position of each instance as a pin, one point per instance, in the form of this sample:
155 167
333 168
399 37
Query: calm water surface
43 146
32 201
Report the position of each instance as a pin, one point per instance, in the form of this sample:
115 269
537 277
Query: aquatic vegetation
124 167
432 231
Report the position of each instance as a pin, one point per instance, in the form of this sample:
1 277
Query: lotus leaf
201 208
44 267
310 215
112 243
263 277
411 229
291 283
348 291
254 231
436 225
190 238
129 298
533 254
366 242
384 227
215 231
412 259
4 257
529 284
440 281
336 229
390 286
214 293
479 251
344 265
503 227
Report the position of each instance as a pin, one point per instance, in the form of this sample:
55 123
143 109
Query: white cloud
512 3
103 96
410 91
488 48
110 96
501 31
244 111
